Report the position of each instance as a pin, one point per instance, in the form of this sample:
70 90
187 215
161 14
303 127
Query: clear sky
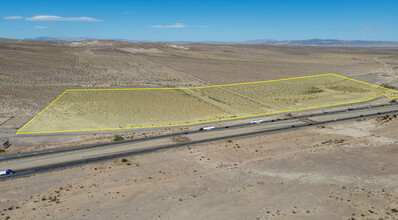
201 20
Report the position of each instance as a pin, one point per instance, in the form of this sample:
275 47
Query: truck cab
6 172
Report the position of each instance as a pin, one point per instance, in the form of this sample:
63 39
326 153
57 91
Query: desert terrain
90 110
338 171
34 73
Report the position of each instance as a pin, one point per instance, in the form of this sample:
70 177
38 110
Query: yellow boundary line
19 131
225 119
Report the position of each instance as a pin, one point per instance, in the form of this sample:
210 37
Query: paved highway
42 161
75 148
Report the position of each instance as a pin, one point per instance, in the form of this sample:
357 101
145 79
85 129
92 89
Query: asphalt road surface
43 161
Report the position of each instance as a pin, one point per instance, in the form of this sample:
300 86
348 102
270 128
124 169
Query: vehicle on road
256 121
207 128
6 172
6 144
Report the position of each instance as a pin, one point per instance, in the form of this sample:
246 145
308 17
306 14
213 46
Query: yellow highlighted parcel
77 110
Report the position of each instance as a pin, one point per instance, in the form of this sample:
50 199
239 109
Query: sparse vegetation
346 88
118 138
393 101
181 139
388 86
202 104
289 115
242 169
313 90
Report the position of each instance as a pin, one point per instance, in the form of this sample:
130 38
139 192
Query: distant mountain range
60 39
334 42
310 42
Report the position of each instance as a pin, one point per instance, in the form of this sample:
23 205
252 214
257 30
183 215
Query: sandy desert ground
340 171
35 73
84 110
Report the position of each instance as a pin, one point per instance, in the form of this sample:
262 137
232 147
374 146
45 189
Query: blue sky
201 20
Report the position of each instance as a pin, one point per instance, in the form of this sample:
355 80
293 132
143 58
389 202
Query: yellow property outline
202 122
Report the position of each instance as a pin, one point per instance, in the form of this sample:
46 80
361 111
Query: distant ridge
310 42
60 39
334 42
259 41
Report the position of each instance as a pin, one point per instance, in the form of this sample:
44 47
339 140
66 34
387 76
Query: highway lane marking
212 86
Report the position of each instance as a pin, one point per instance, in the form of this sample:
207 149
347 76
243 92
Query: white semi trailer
256 121
207 128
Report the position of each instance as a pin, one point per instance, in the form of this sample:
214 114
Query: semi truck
6 172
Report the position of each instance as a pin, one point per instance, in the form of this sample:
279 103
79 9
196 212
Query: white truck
256 121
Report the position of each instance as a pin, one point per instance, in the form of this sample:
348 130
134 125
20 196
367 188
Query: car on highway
256 121
6 172
207 128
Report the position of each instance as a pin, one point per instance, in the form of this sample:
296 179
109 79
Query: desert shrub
388 86
313 90
344 88
118 138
